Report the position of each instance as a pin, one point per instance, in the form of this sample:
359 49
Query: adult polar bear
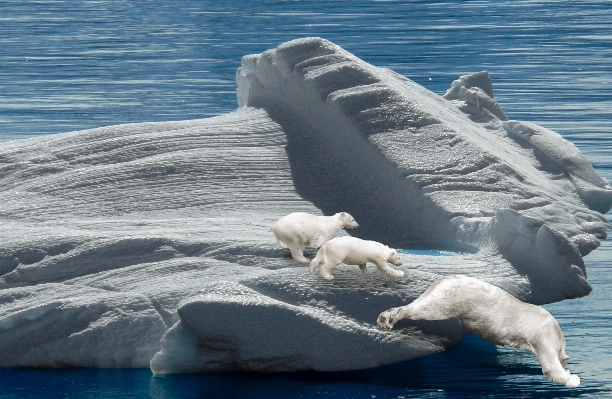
354 251
494 315
299 229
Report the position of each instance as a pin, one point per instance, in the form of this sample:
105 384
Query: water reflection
473 368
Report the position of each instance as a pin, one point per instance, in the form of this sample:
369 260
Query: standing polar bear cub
353 251
299 229
494 315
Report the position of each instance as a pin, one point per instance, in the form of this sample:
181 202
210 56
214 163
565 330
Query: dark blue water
473 368
68 65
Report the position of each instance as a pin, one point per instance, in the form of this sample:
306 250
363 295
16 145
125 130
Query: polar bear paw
364 269
387 319
325 274
573 381
396 273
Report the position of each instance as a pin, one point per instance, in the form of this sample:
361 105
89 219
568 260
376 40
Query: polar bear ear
343 214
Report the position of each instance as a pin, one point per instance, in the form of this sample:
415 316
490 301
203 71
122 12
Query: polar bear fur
354 251
494 315
299 229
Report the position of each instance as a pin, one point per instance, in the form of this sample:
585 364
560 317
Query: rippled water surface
68 65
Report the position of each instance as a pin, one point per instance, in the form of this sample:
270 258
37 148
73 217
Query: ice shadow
337 169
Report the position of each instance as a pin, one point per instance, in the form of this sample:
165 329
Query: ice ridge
442 167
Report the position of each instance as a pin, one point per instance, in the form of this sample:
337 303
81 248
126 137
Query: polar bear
299 229
354 251
494 315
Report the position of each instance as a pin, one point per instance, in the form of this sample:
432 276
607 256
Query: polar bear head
348 221
394 258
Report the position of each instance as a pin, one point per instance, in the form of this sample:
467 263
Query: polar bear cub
299 229
354 251
494 315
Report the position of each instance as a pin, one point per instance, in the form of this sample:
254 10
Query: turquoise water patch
424 252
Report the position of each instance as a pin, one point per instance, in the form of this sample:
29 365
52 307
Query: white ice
149 244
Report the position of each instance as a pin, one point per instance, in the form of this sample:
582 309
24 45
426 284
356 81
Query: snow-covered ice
149 244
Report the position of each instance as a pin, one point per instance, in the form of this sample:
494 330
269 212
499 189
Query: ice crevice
149 245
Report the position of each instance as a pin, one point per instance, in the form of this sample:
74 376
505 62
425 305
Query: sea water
76 65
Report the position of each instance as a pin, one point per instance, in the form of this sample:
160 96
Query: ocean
68 66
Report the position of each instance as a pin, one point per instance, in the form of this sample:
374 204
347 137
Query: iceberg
149 244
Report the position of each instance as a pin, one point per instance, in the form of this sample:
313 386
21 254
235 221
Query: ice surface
149 244
281 336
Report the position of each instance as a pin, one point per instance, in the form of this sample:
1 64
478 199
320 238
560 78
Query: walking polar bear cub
494 315
354 251
299 229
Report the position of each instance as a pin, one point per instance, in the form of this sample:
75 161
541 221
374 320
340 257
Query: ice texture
149 245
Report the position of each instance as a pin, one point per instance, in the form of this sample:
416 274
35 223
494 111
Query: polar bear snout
348 221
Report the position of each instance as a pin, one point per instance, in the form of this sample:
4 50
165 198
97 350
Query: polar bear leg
326 269
563 359
315 262
388 318
425 307
364 269
383 267
297 254
552 367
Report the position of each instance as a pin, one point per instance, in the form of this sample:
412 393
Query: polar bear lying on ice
354 251
299 229
494 315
